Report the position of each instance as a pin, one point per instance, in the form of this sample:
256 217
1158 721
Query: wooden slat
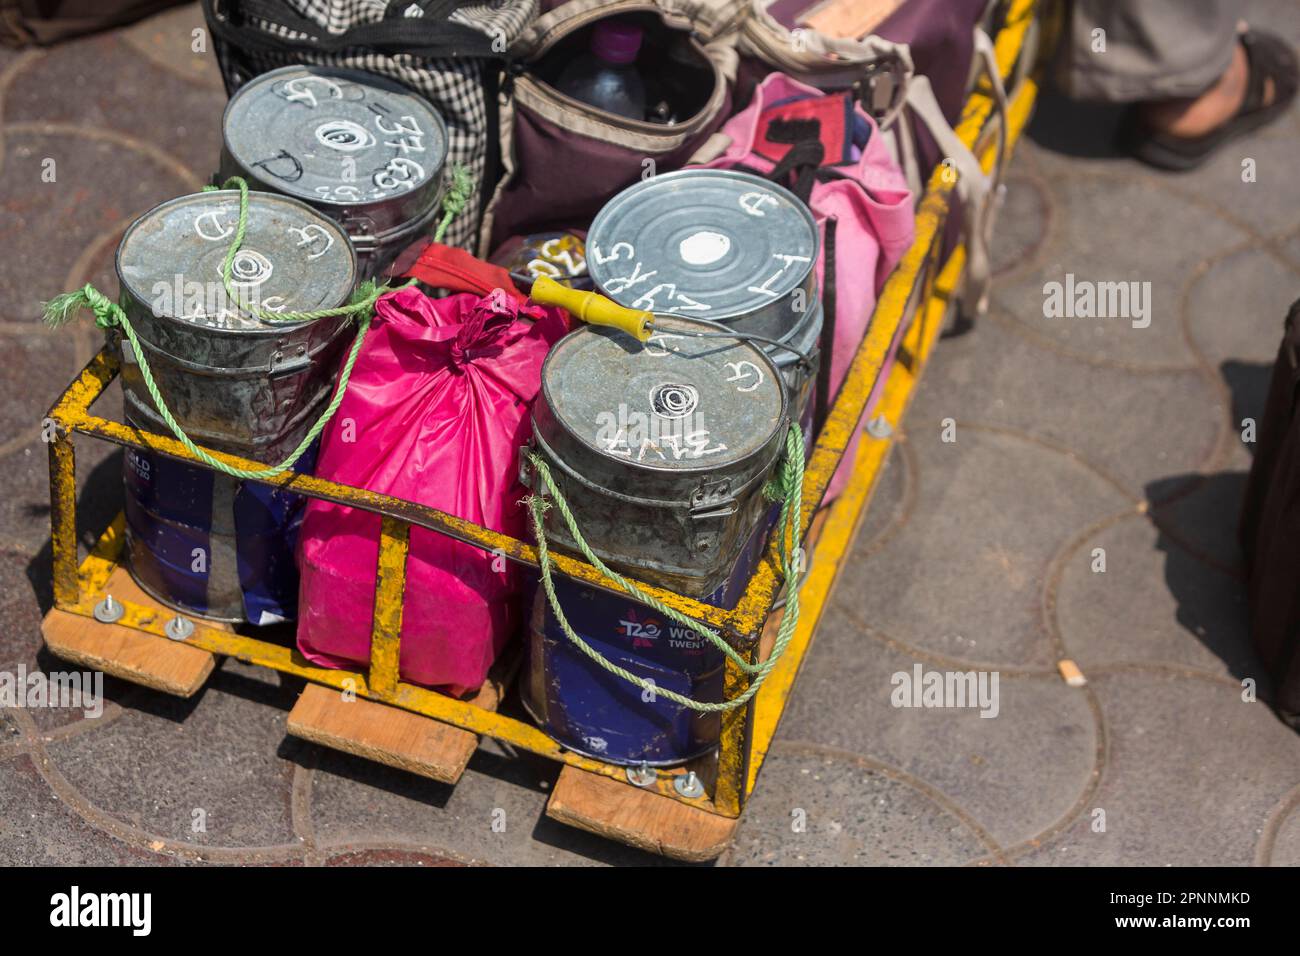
639 818
392 736
169 666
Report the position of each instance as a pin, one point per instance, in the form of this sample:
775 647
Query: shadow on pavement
1075 128
1190 579
96 508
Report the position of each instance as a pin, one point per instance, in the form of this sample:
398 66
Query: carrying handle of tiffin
593 308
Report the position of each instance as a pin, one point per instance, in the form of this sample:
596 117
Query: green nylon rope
108 314
789 487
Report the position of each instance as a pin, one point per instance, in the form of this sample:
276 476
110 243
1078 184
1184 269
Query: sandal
1268 57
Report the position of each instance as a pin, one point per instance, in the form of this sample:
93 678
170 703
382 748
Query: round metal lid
334 136
711 243
293 259
675 403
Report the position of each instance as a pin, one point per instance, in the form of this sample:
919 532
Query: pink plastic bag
872 207
435 413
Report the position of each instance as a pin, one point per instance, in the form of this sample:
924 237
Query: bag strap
417 36
801 161
979 192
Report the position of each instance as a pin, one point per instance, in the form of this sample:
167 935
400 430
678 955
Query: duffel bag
912 66
450 51
568 158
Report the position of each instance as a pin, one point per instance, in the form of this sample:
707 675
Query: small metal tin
198 540
365 150
711 244
234 382
556 255
661 449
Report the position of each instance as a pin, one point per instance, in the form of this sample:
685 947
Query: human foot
1256 88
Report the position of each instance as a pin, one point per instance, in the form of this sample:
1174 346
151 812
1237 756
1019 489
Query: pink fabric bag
435 413
868 199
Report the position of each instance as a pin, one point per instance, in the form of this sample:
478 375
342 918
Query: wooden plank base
136 656
619 811
392 736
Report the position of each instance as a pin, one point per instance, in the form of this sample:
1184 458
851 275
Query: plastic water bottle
606 76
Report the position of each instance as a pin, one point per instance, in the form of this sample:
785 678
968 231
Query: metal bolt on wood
688 785
642 776
179 628
109 611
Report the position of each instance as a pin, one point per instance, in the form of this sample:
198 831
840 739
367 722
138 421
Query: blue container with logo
203 543
594 712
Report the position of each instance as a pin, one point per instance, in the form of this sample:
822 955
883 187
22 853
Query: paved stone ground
1072 435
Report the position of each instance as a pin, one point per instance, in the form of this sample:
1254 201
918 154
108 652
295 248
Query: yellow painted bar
72 412
733 746
104 557
63 519
390 589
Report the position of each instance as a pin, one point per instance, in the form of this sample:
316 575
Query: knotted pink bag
435 412
872 208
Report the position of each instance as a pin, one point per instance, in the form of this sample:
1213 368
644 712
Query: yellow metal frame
916 290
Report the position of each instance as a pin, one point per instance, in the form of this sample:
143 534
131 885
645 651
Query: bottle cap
616 42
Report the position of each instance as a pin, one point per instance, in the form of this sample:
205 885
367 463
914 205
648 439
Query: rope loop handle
109 314
786 486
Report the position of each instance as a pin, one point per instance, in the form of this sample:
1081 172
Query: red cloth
446 267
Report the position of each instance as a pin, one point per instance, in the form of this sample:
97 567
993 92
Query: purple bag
567 158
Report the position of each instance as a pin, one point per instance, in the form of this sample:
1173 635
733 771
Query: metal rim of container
264 330
608 210
361 77
762 449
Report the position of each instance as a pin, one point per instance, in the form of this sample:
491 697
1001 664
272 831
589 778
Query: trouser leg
1123 51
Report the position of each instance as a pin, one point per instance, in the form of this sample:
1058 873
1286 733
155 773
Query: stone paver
930 587
1105 415
1153 603
823 808
1072 435
1016 773
37 829
209 765
1174 791
1285 850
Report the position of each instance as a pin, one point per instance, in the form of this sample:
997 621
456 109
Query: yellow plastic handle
593 308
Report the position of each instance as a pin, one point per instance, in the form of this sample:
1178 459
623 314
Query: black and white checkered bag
451 51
